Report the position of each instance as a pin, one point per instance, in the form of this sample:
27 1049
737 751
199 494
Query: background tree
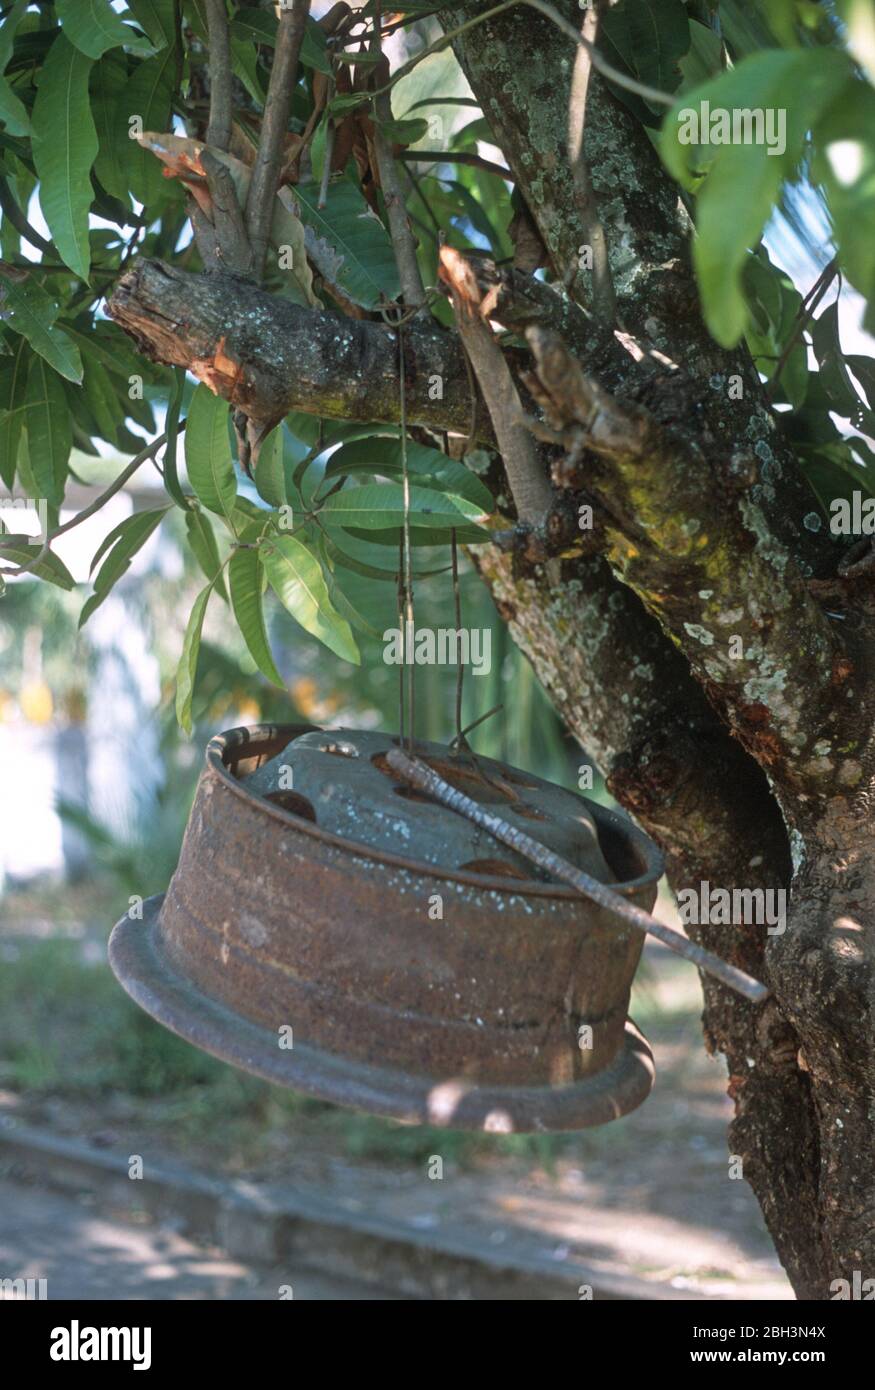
644 432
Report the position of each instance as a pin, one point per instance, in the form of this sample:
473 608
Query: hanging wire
401 673
410 627
460 669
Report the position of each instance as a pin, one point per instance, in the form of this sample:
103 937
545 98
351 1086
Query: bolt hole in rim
371 1050
635 859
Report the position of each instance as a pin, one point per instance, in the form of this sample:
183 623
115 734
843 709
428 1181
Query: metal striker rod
415 772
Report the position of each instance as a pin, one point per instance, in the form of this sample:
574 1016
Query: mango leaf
426 467
834 376
202 539
108 82
379 506
147 96
260 26
650 37
405 132
119 549
244 577
28 310
296 577
64 149
13 396
348 243
844 164
187 668
208 452
21 551
49 435
155 18
94 27
269 475
12 111
738 184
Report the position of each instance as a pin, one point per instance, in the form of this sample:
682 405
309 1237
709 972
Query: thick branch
268 356
701 559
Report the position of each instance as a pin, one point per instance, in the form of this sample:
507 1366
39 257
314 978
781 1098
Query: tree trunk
694 655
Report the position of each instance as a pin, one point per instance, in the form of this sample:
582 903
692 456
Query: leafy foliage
318 522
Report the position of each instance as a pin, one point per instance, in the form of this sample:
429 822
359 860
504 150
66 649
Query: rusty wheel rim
143 969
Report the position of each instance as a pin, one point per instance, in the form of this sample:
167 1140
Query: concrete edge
269 1224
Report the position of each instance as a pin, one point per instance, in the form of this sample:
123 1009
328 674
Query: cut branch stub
268 356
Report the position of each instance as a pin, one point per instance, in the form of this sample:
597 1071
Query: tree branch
265 174
403 240
219 126
603 298
268 356
529 485
677 537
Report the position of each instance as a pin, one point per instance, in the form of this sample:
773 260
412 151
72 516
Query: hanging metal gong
332 929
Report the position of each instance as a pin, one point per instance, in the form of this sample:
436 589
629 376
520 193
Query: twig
219 125
419 775
115 486
529 485
804 315
457 157
403 241
10 209
265 174
603 298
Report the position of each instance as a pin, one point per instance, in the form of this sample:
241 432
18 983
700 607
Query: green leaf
650 36
426 467
28 310
147 95
404 132
13 114
260 26
208 452
296 577
108 82
119 549
13 396
202 539
844 163
49 434
379 506
314 49
155 18
64 148
348 243
739 184
187 668
834 377
93 26
8 28
245 579
269 475
21 550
